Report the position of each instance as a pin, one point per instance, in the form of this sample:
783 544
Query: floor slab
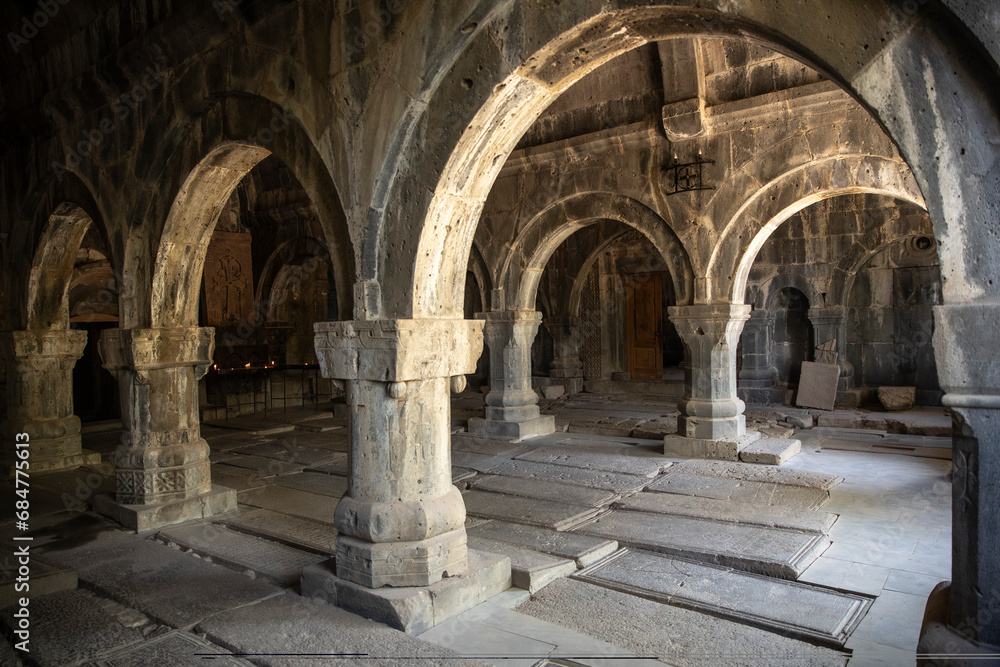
544 513
595 479
582 549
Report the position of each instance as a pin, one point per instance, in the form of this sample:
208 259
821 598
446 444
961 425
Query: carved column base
417 563
513 430
148 517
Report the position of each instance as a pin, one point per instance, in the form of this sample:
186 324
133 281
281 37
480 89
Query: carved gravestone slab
818 385
228 278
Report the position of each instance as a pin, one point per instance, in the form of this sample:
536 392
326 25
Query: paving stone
291 501
563 493
677 636
620 458
315 482
69 627
289 624
790 608
295 531
461 474
251 425
725 510
263 466
290 451
595 479
770 451
485 446
176 647
776 552
734 490
583 549
43 577
277 562
545 513
321 425
755 473
338 466
530 570
157 580
240 478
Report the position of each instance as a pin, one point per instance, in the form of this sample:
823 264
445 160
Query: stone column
402 523
511 409
757 377
829 324
163 474
966 338
711 423
40 397
566 366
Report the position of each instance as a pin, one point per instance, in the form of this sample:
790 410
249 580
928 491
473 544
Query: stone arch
482 272
192 219
769 207
524 264
294 251
472 132
210 157
52 268
872 243
765 296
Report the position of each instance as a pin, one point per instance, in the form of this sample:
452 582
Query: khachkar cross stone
230 281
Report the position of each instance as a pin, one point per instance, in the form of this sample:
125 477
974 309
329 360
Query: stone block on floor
770 451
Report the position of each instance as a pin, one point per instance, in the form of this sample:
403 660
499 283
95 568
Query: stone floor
620 555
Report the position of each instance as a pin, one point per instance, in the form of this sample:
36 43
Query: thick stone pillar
40 397
830 324
566 367
163 474
402 523
758 375
511 409
966 338
711 422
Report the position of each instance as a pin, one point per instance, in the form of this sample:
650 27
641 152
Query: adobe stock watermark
31 25
121 108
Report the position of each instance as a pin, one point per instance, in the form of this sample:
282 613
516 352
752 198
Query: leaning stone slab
786 607
775 552
732 512
754 473
529 569
45 578
547 472
295 531
315 482
770 451
277 562
613 458
582 549
291 501
562 493
71 627
167 585
175 648
412 609
544 513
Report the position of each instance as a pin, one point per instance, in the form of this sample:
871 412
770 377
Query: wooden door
644 308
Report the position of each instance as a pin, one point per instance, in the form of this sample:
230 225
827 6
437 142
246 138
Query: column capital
966 339
710 312
44 343
143 350
396 350
831 315
511 316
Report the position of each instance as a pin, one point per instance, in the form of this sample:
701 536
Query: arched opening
793 334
